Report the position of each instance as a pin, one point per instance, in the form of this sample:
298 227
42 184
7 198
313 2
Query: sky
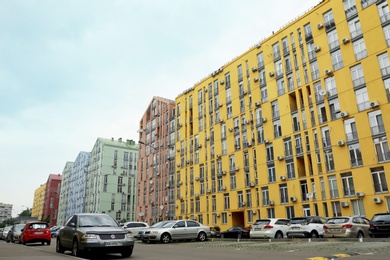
72 71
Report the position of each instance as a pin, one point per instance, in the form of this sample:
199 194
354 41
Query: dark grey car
94 233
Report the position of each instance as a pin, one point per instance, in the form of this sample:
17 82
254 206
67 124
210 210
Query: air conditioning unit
245 122
254 69
317 48
218 156
266 141
249 144
223 172
176 206
271 203
180 182
344 204
264 119
222 82
328 71
320 26
322 92
283 178
220 120
230 129
199 146
252 184
207 138
360 194
194 218
258 45
208 191
181 198
293 199
256 79
220 104
344 114
254 212
377 200
223 187
271 74
309 195
197 178
374 103
280 158
218 215
341 143
236 169
243 203
177 150
196 195
257 103
346 40
167 185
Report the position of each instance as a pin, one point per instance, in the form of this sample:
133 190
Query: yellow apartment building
39 200
295 126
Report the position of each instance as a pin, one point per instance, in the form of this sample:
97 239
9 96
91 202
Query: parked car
347 227
92 233
156 225
177 230
36 231
14 233
380 225
54 231
269 228
236 232
134 227
215 231
4 234
312 226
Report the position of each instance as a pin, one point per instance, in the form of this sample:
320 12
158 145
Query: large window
283 193
348 186
379 180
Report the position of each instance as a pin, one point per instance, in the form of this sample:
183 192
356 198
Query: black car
235 232
94 233
380 225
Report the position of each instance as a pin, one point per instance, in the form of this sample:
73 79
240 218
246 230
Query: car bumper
108 246
261 234
298 234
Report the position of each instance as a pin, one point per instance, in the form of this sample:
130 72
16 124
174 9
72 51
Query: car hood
103 230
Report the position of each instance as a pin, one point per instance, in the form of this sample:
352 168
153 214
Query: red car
36 231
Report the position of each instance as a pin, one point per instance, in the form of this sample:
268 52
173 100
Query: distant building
156 170
77 184
52 197
112 178
62 208
5 211
39 200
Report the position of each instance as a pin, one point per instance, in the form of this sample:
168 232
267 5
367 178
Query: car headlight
89 236
128 235
154 232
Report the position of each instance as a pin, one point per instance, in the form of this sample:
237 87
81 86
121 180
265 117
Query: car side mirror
72 224
22 229
175 226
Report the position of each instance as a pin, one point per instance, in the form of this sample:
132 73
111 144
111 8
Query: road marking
332 257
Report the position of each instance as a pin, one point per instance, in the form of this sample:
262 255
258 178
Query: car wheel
48 242
127 253
279 235
75 248
360 234
202 236
24 242
59 248
165 238
314 234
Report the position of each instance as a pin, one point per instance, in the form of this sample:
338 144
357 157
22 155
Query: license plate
295 228
114 243
38 233
335 229
258 229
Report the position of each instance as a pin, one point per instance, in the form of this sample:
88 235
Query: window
355 155
288 147
275 109
226 204
265 196
362 100
333 39
315 73
350 129
281 88
337 60
336 209
283 193
384 64
359 48
277 129
348 186
386 31
355 28
382 149
376 122
329 163
271 174
384 12
358 208
270 152
290 212
290 169
350 8
333 190
271 213
379 180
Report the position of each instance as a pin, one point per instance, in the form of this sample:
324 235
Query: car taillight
372 226
346 226
325 227
268 226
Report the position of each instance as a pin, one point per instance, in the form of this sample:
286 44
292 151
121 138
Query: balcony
378 129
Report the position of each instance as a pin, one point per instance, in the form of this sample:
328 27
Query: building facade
5 211
62 207
39 201
77 185
112 178
156 164
279 130
52 197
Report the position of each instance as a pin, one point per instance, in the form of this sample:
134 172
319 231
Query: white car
4 234
134 227
270 228
177 230
312 227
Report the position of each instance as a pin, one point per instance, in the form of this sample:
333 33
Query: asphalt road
224 249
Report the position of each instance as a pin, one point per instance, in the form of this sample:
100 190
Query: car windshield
262 222
19 227
337 220
97 221
298 221
168 224
159 224
385 218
